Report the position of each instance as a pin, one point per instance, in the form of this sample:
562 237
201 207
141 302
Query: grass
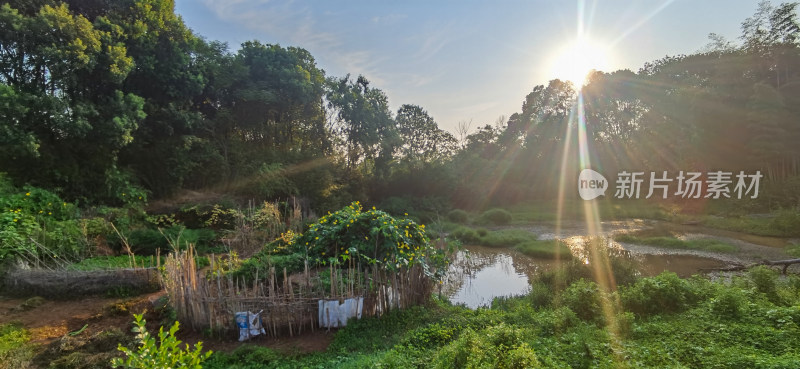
546 249
114 262
15 352
607 210
675 243
660 322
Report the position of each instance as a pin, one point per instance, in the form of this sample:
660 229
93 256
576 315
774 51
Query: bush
167 353
765 280
466 235
458 216
729 304
665 293
372 236
496 216
585 299
498 346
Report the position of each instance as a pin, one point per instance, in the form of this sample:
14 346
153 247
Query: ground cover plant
661 321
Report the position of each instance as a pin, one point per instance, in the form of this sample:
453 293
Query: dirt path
51 320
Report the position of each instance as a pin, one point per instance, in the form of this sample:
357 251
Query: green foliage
146 241
15 351
372 237
458 216
39 225
674 243
498 346
244 357
166 353
466 235
787 222
495 216
115 262
507 238
665 293
549 249
730 304
765 280
260 264
586 299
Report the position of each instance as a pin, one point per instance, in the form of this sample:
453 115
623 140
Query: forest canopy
114 102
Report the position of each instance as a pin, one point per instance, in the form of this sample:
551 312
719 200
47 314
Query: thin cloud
296 24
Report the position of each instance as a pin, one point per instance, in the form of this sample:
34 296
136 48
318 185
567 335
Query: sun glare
576 59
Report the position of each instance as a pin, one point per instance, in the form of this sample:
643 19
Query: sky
468 61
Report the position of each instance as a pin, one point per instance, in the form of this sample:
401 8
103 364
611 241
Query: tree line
112 102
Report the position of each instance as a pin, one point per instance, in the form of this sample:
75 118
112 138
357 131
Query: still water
478 274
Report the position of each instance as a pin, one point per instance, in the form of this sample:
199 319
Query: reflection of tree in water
468 262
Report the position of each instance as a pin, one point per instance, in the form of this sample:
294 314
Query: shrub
496 216
765 280
664 293
372 236
498 346
458 216
585 299
729 304
540 295
466 235
167 353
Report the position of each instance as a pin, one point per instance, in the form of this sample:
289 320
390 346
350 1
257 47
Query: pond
478 274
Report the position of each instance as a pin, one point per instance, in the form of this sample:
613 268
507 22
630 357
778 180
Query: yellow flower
27 194
346 251
316 238
49 213
323 253
16 220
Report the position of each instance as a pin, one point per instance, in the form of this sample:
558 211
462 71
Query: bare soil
50 320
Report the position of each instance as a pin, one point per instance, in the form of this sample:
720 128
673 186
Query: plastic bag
249 324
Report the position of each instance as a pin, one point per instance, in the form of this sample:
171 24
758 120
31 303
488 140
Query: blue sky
465 60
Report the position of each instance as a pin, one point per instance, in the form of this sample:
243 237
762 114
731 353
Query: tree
422 142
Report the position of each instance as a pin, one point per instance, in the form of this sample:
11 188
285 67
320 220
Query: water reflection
479 274
498 279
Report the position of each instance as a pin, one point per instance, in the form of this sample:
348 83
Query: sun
576 59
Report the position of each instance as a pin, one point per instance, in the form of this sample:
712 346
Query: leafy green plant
496 216
15 351
664 293
164 354
765 280
373 237
458 216
585 299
